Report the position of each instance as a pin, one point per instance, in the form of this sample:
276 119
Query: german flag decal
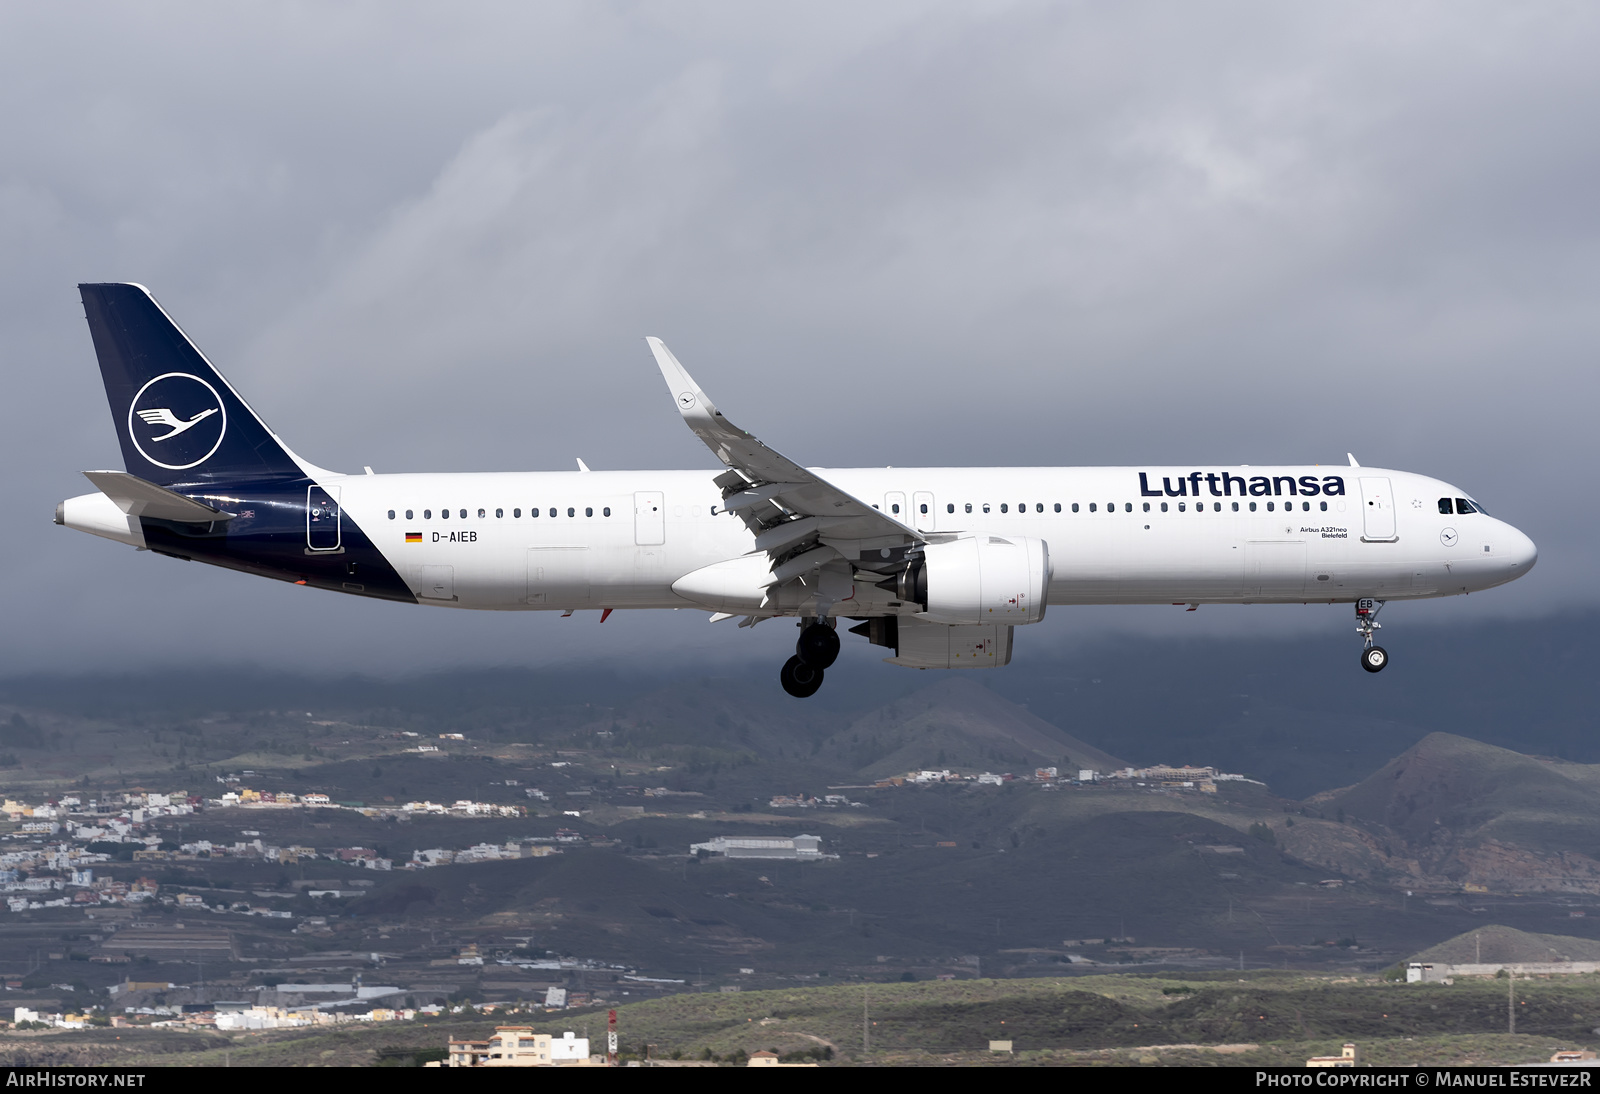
413 537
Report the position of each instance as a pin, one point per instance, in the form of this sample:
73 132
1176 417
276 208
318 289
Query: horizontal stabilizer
138 498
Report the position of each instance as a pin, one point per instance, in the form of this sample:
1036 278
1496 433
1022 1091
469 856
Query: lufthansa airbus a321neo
939 565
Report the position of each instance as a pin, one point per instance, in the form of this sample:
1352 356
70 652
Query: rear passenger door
322 518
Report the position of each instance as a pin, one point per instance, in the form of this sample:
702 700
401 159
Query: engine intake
978 579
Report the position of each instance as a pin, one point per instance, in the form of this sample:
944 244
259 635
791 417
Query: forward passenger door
649 518
1377 509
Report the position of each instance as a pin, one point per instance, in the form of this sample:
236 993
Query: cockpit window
1463 506
1444 506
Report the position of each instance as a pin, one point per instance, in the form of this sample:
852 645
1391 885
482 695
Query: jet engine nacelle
980 579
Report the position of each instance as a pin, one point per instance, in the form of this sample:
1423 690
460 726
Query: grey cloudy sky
430 237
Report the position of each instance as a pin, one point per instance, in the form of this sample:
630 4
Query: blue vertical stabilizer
177 419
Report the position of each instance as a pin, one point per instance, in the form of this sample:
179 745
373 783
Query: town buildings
521 1046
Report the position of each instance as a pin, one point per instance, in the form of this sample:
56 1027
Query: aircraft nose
1520 552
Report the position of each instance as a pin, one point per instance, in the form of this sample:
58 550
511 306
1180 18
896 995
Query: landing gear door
322 518
1377 509
649 518
922 510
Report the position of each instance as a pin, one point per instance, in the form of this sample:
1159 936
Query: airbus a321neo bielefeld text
938 565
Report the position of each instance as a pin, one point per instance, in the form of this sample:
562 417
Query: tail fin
178 420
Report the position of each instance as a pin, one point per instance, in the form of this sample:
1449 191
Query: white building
763 847
569 1047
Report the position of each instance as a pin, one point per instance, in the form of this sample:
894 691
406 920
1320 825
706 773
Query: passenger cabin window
1093 508
895 508
516 513
1163 507
1236 506
1058 507
408 515
391 514
550 512
923 507
464 514
571 512
985 507
1322 504
950 507
482 514
499 512
1146 507
1003 508
427 514
1127 507
969 507
1252 507
589 512
1074 507
444 514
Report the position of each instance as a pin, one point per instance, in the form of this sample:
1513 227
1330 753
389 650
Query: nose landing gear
1374 658
816 649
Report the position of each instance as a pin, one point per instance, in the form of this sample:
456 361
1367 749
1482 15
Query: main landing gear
816 649
1373 658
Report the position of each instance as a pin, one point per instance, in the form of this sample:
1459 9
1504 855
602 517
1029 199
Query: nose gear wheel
1374 658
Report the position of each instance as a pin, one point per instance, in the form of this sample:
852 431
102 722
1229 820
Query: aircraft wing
787 507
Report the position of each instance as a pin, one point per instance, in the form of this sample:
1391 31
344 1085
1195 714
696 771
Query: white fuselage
1111 539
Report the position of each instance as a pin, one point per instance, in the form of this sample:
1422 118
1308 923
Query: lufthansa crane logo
177 421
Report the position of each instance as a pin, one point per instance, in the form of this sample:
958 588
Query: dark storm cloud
422 238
